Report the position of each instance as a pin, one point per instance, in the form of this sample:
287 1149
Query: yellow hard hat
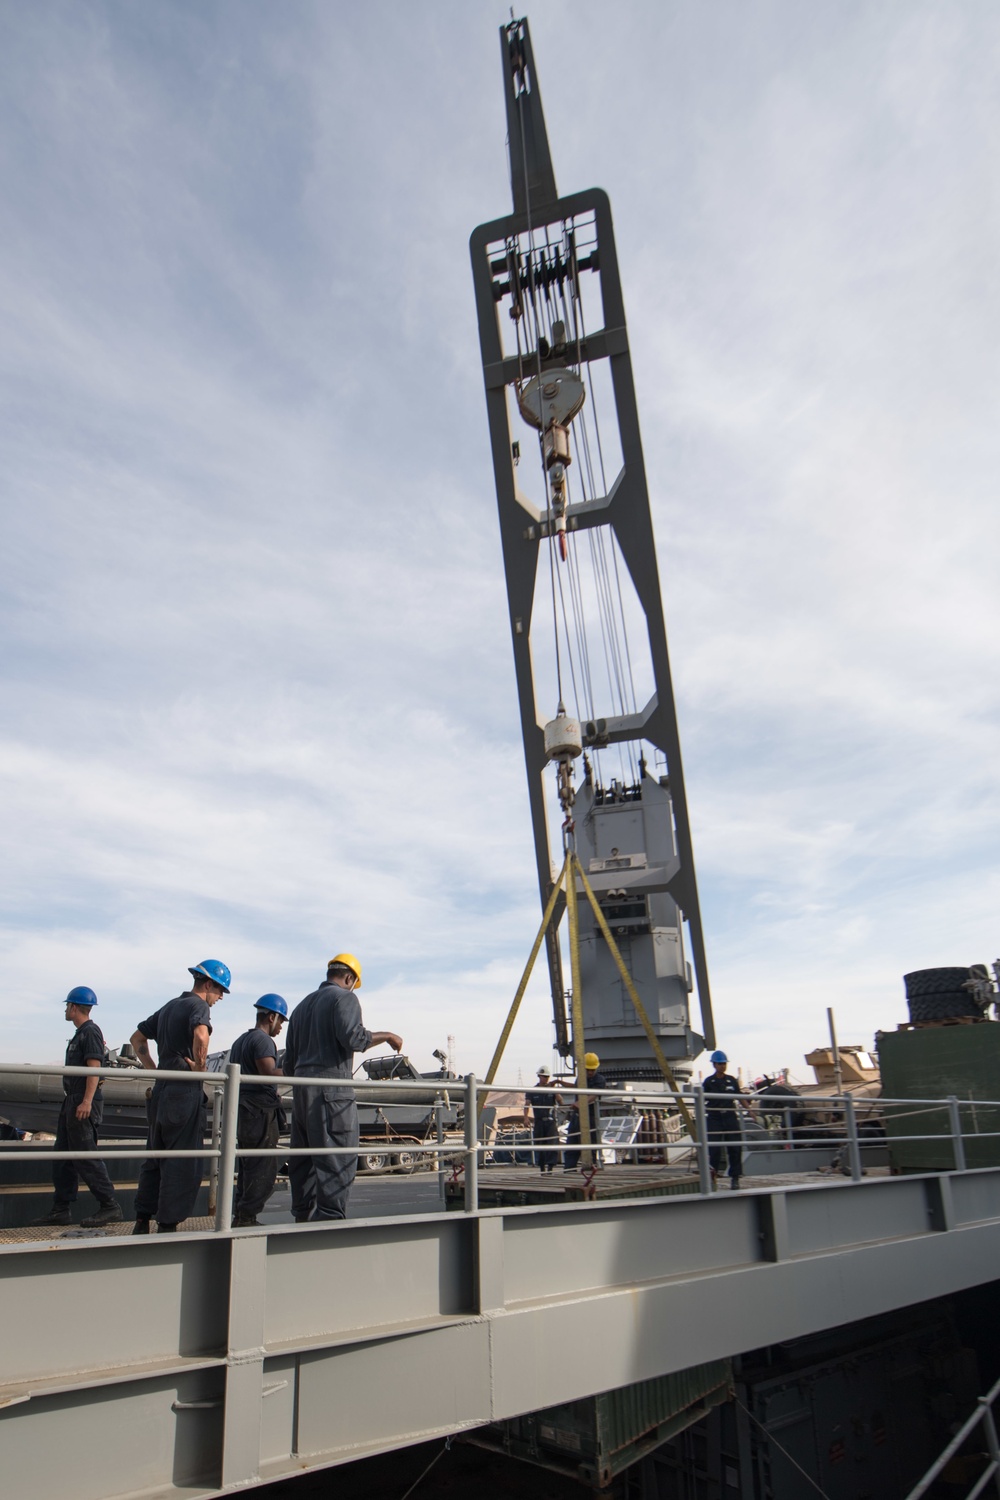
349 962
591 1062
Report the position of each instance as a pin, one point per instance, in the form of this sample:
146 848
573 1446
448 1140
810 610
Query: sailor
723 1125
168 1187
595 1080
80 1120
543 1110
325 1031
261 1117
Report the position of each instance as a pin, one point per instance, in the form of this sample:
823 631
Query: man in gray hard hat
543 1121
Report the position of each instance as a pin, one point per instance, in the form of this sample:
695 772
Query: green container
596 1438
933 1062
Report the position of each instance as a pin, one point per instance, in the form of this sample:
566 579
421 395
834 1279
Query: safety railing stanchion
227 1160
701 1145
853 1144
439 1137
471 1144
213 1171
957 1143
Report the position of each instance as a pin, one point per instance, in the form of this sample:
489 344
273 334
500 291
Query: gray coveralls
324 1033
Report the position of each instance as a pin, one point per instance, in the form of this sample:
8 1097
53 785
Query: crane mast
580 565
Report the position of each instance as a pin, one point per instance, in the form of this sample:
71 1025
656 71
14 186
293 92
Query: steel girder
224 1361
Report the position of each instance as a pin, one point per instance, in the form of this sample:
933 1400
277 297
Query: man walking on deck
261 1118
168 1187
543 1121
325 1031
80 1120
723 1126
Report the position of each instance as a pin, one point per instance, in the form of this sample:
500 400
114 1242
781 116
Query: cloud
257 676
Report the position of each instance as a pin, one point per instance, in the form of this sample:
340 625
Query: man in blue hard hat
261 1118
80 1119
169 1187
721 1119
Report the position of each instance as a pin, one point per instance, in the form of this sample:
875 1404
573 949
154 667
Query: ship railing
854 1124
983 1414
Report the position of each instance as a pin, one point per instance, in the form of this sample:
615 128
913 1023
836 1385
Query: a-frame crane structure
552 331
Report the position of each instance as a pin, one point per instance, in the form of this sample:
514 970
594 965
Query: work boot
108 1213
735 1184
244 1221
141 1226
57 1216
166 1228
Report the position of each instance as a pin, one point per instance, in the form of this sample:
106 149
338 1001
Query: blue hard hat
272 1002
719 1057
212 969
81 996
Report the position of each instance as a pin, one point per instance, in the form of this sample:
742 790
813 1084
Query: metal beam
262 1354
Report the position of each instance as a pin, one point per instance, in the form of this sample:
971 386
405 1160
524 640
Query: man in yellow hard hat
595 1080
325 1031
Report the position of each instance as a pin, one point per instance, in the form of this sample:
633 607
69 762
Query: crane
580 565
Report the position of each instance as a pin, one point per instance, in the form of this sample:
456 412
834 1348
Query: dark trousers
255 1174
544 1133
80 1135
168 1189
725 1139
321 1185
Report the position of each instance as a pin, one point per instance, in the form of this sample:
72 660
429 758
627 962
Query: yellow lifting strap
576 1004
633 995
491 1071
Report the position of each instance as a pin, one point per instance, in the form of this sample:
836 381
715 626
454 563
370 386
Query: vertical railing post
788 1129
853 1145
227 1160
439 1137
701 1145
957 1143
213 1175
471 1144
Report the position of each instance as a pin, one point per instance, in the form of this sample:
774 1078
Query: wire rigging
546 295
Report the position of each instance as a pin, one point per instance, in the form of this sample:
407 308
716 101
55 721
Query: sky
258 698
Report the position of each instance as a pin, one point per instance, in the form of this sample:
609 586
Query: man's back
247 1050
172 1028
325 1031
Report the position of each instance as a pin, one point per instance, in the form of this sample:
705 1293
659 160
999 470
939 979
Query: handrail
984 1414
847 1114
